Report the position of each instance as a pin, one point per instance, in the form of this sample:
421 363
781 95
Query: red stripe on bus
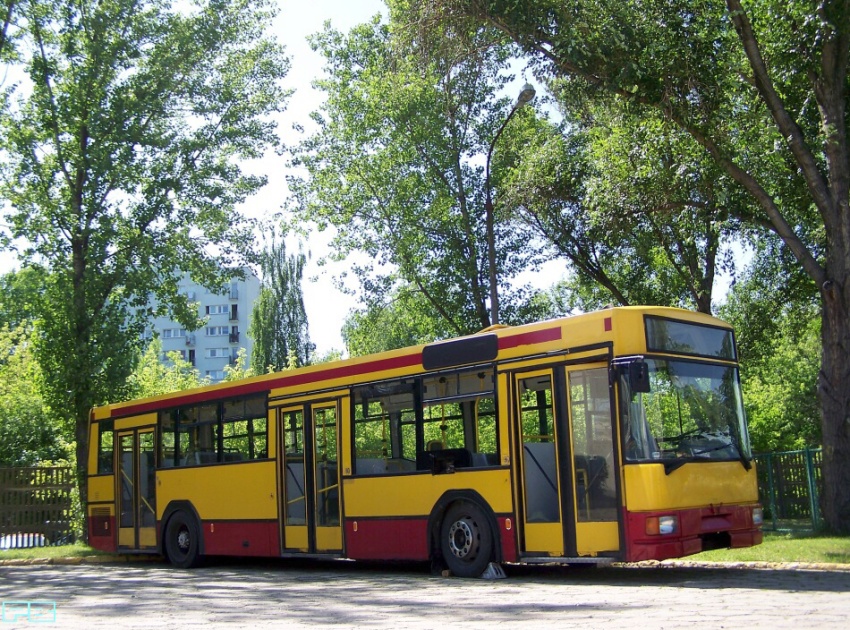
530 338
241 538
387 539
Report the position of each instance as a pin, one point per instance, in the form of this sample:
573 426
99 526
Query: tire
182 541
466 540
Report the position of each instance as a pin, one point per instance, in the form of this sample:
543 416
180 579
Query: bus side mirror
639 377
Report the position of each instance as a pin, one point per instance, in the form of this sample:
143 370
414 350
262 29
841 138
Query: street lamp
525 96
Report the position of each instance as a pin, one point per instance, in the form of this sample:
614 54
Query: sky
326 306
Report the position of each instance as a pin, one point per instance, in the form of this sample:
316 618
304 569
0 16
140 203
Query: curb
758 565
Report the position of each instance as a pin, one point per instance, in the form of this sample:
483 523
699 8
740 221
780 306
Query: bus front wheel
466 540
182 541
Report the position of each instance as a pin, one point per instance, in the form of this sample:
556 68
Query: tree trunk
834 395
81 433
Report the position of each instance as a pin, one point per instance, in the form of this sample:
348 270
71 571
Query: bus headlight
662 525
758 516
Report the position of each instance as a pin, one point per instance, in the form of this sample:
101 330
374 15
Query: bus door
310 480
594 462
567 469
137 489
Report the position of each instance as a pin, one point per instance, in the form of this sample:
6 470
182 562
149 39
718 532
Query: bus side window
384 429
459 413
105 460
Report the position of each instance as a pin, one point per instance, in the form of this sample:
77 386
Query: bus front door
595 472
137 489
310 511
567 463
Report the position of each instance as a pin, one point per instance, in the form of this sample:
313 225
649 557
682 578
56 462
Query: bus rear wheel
466 540
182 541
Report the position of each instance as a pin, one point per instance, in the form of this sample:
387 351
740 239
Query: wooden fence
789 488
36 506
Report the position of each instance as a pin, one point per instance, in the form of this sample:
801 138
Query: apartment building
225 332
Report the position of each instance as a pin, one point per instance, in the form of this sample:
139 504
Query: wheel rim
464 539
184 540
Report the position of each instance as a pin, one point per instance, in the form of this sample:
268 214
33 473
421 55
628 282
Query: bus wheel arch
463 534
182 538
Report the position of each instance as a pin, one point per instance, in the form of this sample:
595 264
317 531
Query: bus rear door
137 489
310 483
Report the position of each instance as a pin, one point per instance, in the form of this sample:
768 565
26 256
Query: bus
617 435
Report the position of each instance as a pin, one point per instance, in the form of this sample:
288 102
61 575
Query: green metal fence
789 488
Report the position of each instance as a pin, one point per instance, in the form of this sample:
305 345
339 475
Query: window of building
218 309
173 333
217 331
217 353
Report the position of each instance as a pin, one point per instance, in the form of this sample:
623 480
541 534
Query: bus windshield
692 411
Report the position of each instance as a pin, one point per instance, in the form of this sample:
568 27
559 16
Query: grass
77 550
790 547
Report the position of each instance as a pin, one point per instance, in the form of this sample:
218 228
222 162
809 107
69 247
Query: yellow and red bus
617 435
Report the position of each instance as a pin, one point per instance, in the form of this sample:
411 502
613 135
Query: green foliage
395 168
329 356
121 171
30 432
407 319
240 369
153 376
639 226
21 291
777 321
279 324
781 398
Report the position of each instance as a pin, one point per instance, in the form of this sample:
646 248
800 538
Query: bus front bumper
660 535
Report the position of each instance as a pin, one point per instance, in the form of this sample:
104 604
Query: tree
646 225
396 166
763 90
239 369
7 12
403 318
774 310
20 292
279 324
154 376
121 171
29 432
